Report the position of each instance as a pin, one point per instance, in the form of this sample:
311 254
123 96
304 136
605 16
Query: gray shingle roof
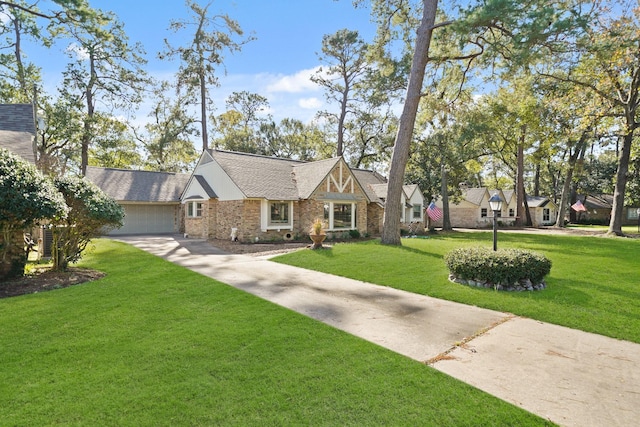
374 184
597 201
139 186
259 176
17 118
475 195
17 129
309 175
19 143
537 201
205 186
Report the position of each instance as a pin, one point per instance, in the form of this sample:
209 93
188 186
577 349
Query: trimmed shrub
91 212
504 269
26 197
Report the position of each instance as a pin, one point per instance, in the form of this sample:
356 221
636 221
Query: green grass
626 229
594 284
154 344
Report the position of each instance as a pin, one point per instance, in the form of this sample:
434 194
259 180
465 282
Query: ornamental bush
26 197
504 269
91 211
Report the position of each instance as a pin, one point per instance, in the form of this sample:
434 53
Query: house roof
373 184
475 195
596 201
138 186
537 201
309 175
259 176
17 129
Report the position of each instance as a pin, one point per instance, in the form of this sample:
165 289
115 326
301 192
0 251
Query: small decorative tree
26 197
91 212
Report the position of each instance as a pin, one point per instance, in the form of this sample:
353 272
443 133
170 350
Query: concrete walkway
570 377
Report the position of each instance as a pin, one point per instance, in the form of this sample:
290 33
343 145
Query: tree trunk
88 123
400 156
203 111
520 181
446 220
342 118
615 225
566 187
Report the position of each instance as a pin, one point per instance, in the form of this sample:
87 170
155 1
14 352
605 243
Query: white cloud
294 83
80 52
310 103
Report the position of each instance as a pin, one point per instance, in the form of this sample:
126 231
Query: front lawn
594 284
154 344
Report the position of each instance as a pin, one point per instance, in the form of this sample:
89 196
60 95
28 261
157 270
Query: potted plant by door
317 234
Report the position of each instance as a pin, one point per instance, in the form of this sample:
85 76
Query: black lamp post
495 202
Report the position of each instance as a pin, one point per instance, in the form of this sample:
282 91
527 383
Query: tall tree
502 30
609 58
344 54
400 156
166 139
203 54
19 77
105 69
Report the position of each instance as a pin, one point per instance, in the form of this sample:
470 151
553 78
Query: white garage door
148 219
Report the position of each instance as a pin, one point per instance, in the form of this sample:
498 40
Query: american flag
578 207
434 212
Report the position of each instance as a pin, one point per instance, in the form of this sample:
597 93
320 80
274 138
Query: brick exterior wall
219 217
375 217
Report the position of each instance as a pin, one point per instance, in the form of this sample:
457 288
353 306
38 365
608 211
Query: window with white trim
512 212
417 211
277 215
483 212
194 209
546 214
340 216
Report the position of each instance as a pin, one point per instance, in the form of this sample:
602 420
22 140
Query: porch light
495 202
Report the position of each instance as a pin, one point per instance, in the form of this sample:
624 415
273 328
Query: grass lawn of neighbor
154 344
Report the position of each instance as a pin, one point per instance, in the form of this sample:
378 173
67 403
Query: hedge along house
257 198
151 200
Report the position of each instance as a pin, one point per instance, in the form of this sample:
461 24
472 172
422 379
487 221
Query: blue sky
276 65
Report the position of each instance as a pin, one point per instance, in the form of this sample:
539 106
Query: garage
148 219
151 200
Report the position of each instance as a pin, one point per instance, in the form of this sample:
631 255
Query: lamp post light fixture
495 202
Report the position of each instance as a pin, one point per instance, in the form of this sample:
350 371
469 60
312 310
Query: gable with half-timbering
340 200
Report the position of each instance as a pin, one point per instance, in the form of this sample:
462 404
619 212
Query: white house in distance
473 211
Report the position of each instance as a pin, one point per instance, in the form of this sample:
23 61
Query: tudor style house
256 198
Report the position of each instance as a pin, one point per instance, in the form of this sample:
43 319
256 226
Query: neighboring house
473 211
599 208
18 130
412 201
257 198
151 200
543 210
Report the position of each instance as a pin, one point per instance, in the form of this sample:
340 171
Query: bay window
340 215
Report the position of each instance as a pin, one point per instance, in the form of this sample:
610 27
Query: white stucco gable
209 173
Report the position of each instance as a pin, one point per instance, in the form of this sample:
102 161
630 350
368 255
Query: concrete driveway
570 377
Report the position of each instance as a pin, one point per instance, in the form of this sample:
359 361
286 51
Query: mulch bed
45 280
